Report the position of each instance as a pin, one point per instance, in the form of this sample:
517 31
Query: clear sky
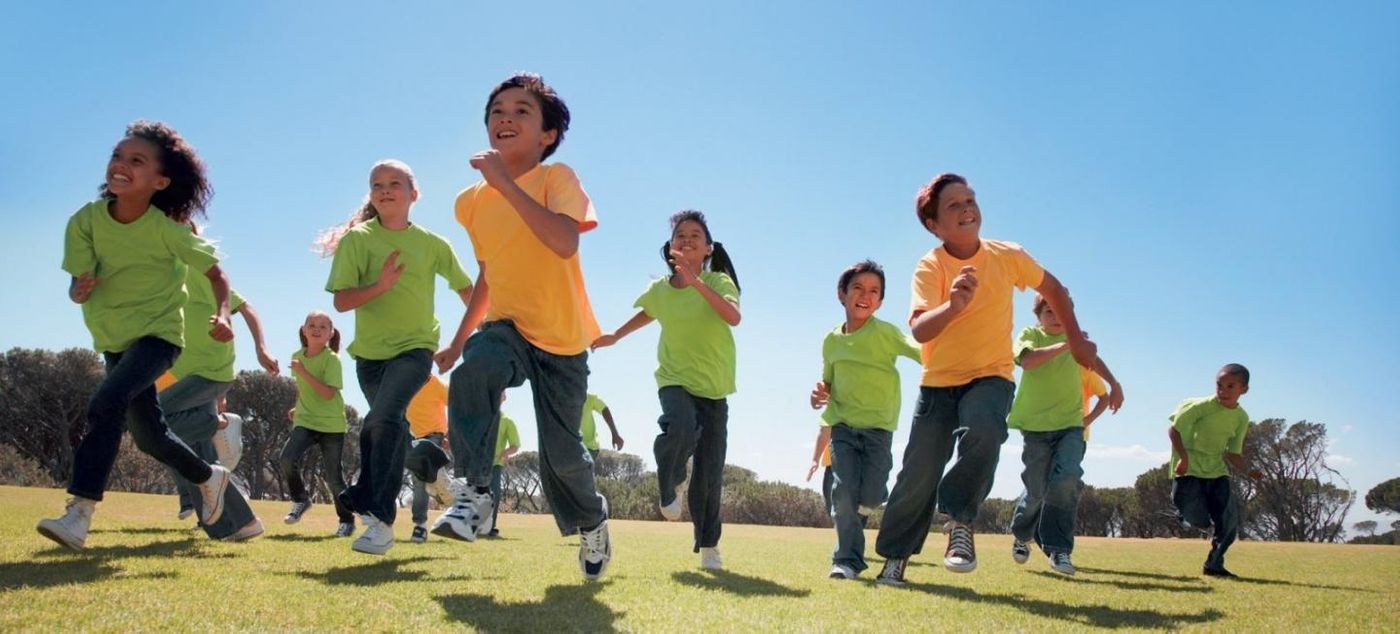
1215 183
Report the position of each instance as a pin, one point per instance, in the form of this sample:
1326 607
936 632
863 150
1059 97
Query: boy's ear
547 139
1245 390
413 197
929 224
841 296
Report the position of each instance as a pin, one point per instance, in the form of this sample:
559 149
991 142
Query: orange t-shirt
978 342
427 412
1090 385
530 285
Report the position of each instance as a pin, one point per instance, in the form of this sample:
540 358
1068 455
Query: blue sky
1214 183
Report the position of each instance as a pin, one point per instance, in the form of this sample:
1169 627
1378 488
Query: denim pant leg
496 471
847 458
828 480
127 398
876 462
560 386
420 489
333 470
707 482
388 385
191 411
289 462
1224 514
493 359
909 512
1189 498
1035 455
680 430
1061 508
982 409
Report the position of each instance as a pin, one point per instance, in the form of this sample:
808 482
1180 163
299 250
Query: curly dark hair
552 108
189 191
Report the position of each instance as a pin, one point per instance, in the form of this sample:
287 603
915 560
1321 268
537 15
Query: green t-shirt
203 356
588 427
696 350
1049 397
402 318
1208 430
313 412
859 369
140 290
506 436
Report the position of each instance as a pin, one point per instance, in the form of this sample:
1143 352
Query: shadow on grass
144 531
1296 584
369 574
58 566
573 608
1125 585
1136 573
1203 579
734 583
1090 615
293 537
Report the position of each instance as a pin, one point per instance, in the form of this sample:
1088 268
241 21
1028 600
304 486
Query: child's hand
812 470
81 288
1115 397
390 271
223 423
1181 466
820 395
296 365
687 276
1085 353
617 442
447 357
964 288
268 362
492 168
219 329
603 342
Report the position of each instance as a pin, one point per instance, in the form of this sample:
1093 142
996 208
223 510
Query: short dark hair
189 191
863 266
926 202
1235 369
553 110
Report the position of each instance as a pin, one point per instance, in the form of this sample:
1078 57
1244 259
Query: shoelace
960 541
593 541
895 568
1060 559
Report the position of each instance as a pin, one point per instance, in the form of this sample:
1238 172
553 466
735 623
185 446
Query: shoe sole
236 537
445 530
1067 573
371 549
1020 559
886 581
63 539
218 497
963 568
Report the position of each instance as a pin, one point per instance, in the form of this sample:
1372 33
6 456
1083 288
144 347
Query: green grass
145 570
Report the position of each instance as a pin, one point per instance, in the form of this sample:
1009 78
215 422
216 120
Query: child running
123 252
427 423
383 270
961 313
697 306
524 219
1049 411
318 419
588 427
860 390
1207 433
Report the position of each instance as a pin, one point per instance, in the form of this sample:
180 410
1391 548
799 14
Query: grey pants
420 490
861 463
691 425
191 407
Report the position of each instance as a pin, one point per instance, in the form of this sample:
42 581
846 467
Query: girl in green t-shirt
123 253
697 306
318 418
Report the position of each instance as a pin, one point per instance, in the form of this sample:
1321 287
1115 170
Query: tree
263 400
1368 527
45 398
1384 497
1296 500
1155 515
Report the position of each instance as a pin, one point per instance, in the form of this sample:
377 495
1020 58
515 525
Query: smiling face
861 297
1229 388
317 329
958 219
134 169
689 239
515 126
391 191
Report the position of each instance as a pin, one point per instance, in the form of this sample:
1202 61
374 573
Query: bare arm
1181 462
1057 296
557 231
322 390
1032 358
728 311
220 328
476 300
250 317
636 322
351 298
823 440
928 324
612 426
1100 404
1115 389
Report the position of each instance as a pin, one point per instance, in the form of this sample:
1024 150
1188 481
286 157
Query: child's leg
560 386
982 410
1036 454
290 462
420 490
1220 503
191 412
828 481
146 422
876 462
910 510
1056 534
492 361
1189 498
676 442
848 468
707 481
333 470
389 386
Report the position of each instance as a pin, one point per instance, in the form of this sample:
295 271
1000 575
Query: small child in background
318 418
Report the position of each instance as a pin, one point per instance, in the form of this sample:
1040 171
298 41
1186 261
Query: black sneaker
961 555
1219 571
893 572
420 534
298 509
345 529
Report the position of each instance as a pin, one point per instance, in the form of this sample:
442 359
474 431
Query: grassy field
145 570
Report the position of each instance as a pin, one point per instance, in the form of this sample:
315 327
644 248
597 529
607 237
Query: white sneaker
212 493
594 551
1020 551
709 559
1060 563
185 512
440 488
70 530
468 517
377 538
961 555
842 571
672 511
250 530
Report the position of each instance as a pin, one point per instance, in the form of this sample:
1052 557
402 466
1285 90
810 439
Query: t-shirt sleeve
828 370
649 301
598 404
450 268
78 254
512 434
1025 271
564 194
1184 420
334 373
235 301
1092 383
929 287
724 286
1242 428
1026 340
465 209
345 266
189 248
901 345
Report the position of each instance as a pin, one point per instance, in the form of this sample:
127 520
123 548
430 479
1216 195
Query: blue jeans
420 489
828 478
388 385
191 410
691 425
332 447
497 358
126 400
861 463
1206 502
970 418
1048 507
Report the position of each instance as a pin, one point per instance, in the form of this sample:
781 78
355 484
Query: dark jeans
828 478
191 404
388 385
861 462
496 358
1205 502
970 418
126 400
691 425
420 489
332 447
1047 509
